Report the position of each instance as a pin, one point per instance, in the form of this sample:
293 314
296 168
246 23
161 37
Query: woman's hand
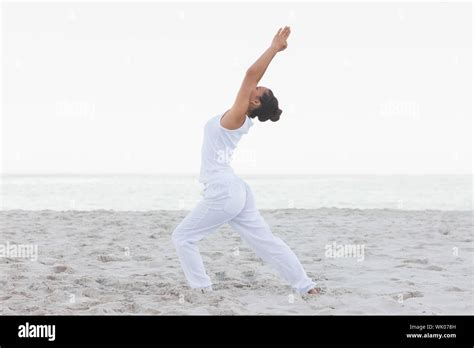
279 41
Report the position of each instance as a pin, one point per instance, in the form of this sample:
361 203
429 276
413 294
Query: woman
227 198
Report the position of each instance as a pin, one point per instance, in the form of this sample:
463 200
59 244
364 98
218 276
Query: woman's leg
255 231
218 207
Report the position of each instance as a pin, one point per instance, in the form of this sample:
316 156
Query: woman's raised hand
279 41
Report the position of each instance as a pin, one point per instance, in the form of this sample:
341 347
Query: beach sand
110 262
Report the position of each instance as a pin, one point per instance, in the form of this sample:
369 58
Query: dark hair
268 109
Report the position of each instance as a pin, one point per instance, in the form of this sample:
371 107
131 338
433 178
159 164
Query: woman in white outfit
229 199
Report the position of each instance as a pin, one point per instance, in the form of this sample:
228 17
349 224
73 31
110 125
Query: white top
217 148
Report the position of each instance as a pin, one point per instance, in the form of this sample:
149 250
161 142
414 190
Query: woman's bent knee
178 238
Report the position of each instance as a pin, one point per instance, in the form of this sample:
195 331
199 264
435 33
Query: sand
108 262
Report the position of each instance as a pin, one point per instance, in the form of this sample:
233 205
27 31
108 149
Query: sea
181 192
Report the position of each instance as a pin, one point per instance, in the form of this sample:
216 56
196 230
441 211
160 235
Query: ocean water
181 192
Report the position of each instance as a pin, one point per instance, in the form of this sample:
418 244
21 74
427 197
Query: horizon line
241 174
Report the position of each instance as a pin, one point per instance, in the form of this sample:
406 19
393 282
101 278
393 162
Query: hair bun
276 117
268 109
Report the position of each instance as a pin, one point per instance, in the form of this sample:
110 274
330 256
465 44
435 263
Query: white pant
231 201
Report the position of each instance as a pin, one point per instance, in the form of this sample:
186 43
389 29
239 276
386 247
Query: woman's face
256 94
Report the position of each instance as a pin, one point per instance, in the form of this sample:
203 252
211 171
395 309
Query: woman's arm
235 116
278 44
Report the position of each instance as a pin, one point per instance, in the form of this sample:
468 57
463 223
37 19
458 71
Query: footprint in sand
418 261
407 295
108 258
444 229
62 269
454 288
143 258
249 275
242 286
434 268
91 293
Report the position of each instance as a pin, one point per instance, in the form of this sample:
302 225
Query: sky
123 87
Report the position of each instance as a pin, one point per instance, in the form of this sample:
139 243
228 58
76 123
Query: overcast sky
376 88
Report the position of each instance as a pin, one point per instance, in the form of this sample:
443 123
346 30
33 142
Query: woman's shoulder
244 127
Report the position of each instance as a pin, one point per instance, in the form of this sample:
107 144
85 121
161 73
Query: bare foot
314 291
